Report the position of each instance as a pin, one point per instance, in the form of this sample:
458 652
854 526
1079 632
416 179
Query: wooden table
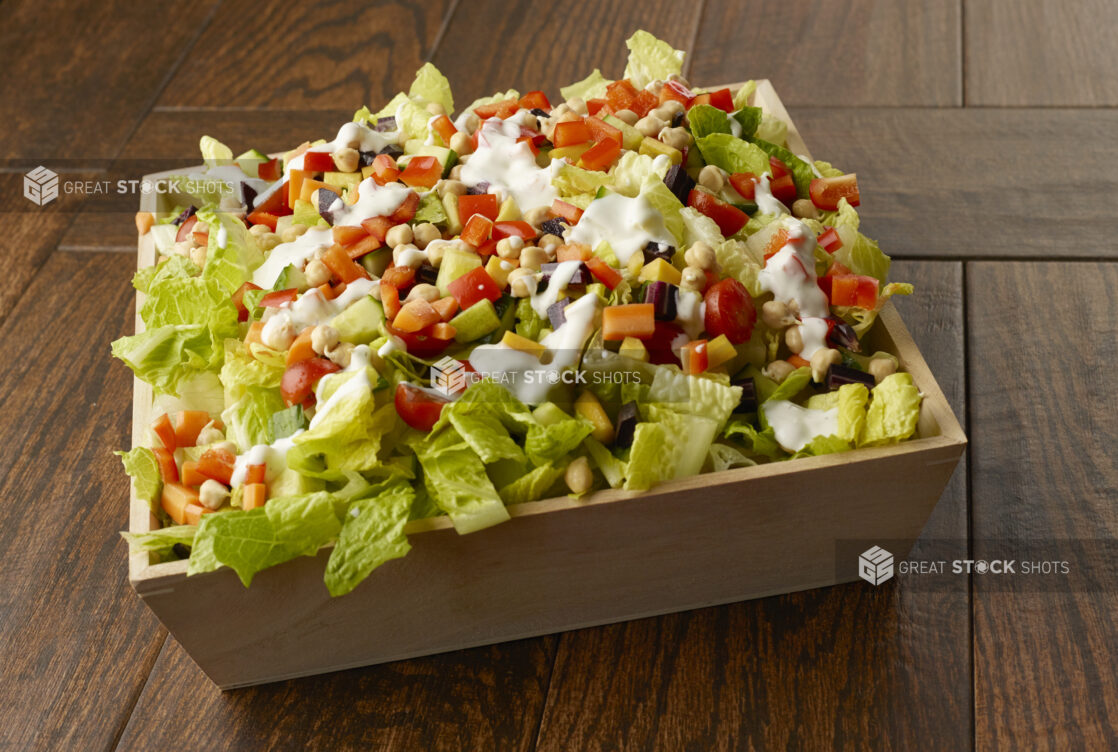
985 138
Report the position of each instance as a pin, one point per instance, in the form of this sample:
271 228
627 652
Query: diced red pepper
419 344
385 170
342 266
421 171
601 130
644 103
677 91
620 94
693 357
596 106
534 100
517 227
378 227
827 192
260 217
390 299
279 297
728 217
744 183
400 277
829 239
779 169
256 474
503 109
571 132
162 428
318 161
275 203
444 128
406 212
601 155
569 212
473 286
269 170
188 424
722 99
484 204
854 290
784 189
603 272
477 230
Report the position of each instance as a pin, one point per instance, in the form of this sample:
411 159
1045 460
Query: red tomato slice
299 379
729 218
784 190
779 169
239 300
826 192
744 183
417 408
730 311
279 297
420 344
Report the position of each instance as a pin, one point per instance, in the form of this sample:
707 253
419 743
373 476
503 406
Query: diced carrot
446 307
295 186
378 227
367 244
256 473
267 219
569 212
573 252
342 266
406 212
443 330
631 320
348 234
601 155
399 277
191 475
694 357
192 513
301 348
188 424
328 292
176 497
168 470
415 315
310 185
604 273
165 431
797 361
254 495
481 203
217 464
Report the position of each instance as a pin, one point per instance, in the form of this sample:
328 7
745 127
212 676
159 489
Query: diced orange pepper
415 315
377 227
217 464
694 357
162 428
390 299
570 132
295 186
477 230
342 266
385 170
367 244
423 172
191 475
569 212
444 128
348 234
482 203
573 252
301 348
443 330
446 307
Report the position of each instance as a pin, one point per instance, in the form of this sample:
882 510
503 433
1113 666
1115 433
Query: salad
448 314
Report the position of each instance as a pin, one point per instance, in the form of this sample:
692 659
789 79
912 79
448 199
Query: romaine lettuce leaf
142 466
214 153
725 457
802 174
705 120
248 420
431 86
894 411
231 264
591 87
533 485
664 201
161 541
762 443
742 95
456 480
346 437
632 170
651 59
696 395
372 533
733 154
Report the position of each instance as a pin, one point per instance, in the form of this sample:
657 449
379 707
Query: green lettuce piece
792 385
591 87
705 120
742 95
456 480
696 395
286 422
201 391
346 437
633 170
372 533
613 469
858 253
644 468
664 201
571 181
528 322
169 268
431 86
738 260
248 421
750 120
823 445
214 153
142 466
699 227
364 116
241 371
725 457
651 59
162 541
852 401
411 116
167 355
762 443
486 435
802 174
733 154
772 129
894 411
249 542
231 264
668 445
533 485
827 170
547 444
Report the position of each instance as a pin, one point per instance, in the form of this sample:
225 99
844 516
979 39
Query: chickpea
533 258
144 222
579 476
323 337
537 216
627 116
268 240
510 248
316 272
183 247
778 370
711 177
470 123
650 125
347 159
424 233
455 172
292 233
550 242
435 108
673 107
879 368
776 315
424 291
436 249
212 494
577 105
258 230
341 353
278 332
794 339
677 138
700 255
407 255
804 209
822 361
663 113
198 255
519 285
398 235
693 278
462 144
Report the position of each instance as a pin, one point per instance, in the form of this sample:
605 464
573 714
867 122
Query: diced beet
326 199
839 375
187 213
748 401
426 273
654 250
555 313
392 150
248 195
367 157
841 334
679 183
662 296
386 123
477 190
554 226
581 275
627 419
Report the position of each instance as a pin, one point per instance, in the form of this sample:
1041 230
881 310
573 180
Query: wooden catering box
561 564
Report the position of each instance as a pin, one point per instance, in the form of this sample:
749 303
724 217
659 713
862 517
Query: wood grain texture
934 182
816 670
823 53
75 641
484 699
1041 53
78 76
308 54
167 135
494 45
1045 417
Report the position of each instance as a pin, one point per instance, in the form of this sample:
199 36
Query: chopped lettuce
142 466
802 174
214 153
232 253
733 154
533 485
664 201
698 395
591 87
725 457
431 86
705 120
248 420
372 533
762 443
772 129
633 170
456 480
742 95
666 445
161 541
347 435
894 411
651 59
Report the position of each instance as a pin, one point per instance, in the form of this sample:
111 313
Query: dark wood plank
833 668
968 183
75 641
495 45
1041 53
821 53
1045 417
166 136
78 76
316 54
485 698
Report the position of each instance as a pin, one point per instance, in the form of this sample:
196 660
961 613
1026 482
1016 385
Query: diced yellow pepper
635 263
654 148
366 171
659 270
499 270
572 153
509 211
516 342
631 347
588 406
720 350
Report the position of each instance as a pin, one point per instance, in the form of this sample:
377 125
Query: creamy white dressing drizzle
374 200
789 275
560 278
273 455
508 166
296 252
795 426
690 312
627 224
763 197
